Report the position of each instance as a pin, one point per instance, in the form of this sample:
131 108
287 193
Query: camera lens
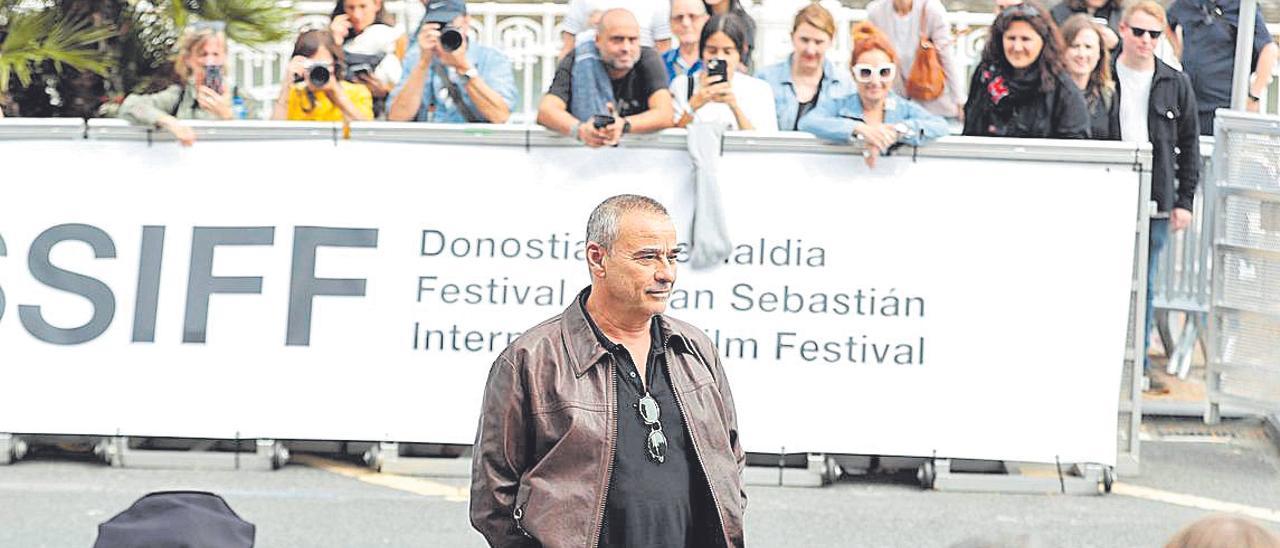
319 75
450 39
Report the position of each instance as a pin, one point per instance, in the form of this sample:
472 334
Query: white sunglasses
864 72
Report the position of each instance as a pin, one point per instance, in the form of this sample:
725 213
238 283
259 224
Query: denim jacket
834 120
835 83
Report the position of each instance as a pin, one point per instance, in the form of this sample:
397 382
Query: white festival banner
361 291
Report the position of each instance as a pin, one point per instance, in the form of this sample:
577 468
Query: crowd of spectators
645 65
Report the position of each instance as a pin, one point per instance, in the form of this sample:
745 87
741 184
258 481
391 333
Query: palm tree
66 57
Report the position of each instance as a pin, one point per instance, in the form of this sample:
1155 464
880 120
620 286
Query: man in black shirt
612 424
641 101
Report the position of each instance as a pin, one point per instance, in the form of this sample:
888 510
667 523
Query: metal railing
529 34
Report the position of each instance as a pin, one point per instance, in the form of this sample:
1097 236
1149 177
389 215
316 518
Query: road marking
417 486
1192 501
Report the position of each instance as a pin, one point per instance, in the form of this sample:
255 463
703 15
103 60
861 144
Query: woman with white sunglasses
874 114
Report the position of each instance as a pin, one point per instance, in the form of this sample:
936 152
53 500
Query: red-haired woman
874 114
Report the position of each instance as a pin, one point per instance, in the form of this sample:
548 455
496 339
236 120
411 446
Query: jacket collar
584 348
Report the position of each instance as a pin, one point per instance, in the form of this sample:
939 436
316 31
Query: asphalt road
60 502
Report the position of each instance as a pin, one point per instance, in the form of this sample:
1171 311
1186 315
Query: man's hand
613 132
217 104
592 137
1180 218
340 27
428 43
376 88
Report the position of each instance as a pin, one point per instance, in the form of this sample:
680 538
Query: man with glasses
1157 105
611 424
687 19
1208 28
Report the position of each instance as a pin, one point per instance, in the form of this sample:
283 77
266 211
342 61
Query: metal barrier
1112 154
1183 276
1243 365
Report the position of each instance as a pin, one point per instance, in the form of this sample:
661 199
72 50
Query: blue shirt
835 84
834 120
670 58
493 66
1209 46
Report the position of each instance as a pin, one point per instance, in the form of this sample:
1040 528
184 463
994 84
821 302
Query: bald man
641 102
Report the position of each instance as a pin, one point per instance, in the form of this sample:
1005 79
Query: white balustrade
529 34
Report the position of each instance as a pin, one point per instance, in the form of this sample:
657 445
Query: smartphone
717 71
213 77
601 121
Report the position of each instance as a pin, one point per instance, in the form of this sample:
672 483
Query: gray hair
602 226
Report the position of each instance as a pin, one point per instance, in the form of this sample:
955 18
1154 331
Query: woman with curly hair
1020 87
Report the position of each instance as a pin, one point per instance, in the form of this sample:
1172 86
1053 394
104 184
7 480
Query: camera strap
455 94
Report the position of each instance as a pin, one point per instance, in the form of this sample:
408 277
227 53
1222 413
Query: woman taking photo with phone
318 93
719 93
198 93
875 115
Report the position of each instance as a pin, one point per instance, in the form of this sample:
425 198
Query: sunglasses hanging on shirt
656 444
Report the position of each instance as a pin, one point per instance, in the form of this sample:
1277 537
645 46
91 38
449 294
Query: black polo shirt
652 504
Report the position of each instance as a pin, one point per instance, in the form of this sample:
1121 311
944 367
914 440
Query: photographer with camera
199 92
369 41
608 87
719 93
318 93
450 80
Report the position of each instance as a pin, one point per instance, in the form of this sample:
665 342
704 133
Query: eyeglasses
1137 32
656 444
863 72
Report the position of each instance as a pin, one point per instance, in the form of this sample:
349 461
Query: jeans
1158 238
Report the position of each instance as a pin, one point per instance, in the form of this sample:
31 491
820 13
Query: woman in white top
737 100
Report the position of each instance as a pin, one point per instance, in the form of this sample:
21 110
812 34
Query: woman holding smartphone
719 93
198 93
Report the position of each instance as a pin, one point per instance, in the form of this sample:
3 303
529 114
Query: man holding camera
450 80
609 87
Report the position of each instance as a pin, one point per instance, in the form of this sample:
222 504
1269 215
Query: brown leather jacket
547 435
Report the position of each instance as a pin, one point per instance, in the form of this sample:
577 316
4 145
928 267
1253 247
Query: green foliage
32 38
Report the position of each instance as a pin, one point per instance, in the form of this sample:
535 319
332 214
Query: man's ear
595 258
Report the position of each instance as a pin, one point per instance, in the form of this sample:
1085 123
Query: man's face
619 40
687 19
640 271
1140 22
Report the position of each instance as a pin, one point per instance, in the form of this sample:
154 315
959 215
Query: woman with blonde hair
199 93
874 115
807 78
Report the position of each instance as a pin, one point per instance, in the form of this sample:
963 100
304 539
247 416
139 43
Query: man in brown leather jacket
611 424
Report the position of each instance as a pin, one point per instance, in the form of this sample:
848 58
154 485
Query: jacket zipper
697 452
611 399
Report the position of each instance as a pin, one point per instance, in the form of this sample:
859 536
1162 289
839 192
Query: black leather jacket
1174 129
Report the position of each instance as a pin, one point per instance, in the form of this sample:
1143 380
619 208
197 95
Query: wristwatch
626 126
1253 97
469 74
